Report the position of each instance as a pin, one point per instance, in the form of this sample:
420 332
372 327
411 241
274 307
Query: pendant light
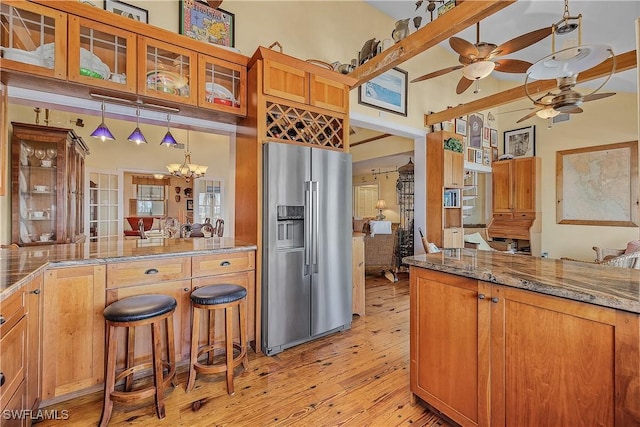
102 131
137 136
168 140
187 170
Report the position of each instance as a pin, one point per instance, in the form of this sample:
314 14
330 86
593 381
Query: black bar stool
128 313
211 298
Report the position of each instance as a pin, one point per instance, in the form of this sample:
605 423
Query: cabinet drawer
210 265
148 271
526 215
13 345
12 309
501 215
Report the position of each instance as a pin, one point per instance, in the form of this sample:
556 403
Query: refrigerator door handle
316 207
307 227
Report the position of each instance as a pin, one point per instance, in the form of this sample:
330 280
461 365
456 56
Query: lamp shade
546 113
478 70
169 140
137 137
102 132
569 62
381 204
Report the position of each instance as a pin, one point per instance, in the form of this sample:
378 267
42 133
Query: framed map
598 185
204 23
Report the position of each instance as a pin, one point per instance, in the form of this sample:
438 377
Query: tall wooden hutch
47 175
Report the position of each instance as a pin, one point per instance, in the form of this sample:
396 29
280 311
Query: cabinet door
166 71
501 184
180 290
524 184
73 330
449 358
34 343
101 55
357 250
13 363
285 81
453 238
453 169
328 94
222 85
553 362
15 404
34 38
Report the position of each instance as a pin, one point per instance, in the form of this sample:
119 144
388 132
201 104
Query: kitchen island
502 339
52 298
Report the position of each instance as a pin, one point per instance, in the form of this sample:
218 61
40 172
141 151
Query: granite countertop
19 265
606 286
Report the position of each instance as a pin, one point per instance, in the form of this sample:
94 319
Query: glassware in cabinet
221 85
166 71
33 39
101 55
47 167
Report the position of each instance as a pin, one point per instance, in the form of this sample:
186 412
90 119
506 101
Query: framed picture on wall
486 131
475 123
189 204
127 10
494 138
202 22
520 142
461 126
386 92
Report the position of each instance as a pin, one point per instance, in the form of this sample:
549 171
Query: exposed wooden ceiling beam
373 138
625 61
456 20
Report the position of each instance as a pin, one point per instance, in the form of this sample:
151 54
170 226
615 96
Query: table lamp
380 204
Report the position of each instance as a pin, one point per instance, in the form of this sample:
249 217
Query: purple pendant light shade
137 136
168 140
102 131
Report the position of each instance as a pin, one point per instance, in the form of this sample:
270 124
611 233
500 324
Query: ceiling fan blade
522 41
512 66
595 96
463 47
574 110
436 73
528 116
463 85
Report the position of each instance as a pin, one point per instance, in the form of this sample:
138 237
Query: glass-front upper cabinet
33 39
221 85
166 71
101 55
47 167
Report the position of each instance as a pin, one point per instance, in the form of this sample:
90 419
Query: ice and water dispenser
290 226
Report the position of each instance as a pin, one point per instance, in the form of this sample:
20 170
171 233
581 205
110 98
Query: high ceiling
603 22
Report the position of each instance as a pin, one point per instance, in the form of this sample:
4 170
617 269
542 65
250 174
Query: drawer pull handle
481 296
495 300
151 271
2 320
35 291
225 264
2 379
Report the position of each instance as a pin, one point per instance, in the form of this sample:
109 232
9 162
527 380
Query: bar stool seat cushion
218 294
140 307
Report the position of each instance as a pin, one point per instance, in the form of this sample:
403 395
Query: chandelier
187 170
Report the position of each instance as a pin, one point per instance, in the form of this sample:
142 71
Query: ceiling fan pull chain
566 15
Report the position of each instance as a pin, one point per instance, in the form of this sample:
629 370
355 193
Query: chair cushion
139 307
218 294
477 238
632 246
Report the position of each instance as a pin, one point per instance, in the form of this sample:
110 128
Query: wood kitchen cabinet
47 177
222 85
101 55
34 39
13 348
445 170
237 268
167 71
516 202
73 330
507 356
34 306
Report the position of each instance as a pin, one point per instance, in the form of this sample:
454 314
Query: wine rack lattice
297 124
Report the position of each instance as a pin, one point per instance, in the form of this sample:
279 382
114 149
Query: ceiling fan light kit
478 70
569 62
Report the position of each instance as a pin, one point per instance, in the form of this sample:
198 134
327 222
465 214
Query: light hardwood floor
355 378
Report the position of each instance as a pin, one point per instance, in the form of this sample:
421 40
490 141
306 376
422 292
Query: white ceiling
603 22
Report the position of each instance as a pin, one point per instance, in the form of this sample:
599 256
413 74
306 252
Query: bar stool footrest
219 367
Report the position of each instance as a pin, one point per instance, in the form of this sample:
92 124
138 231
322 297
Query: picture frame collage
480 141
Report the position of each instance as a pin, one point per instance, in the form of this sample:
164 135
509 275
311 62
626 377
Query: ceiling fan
567 100
477 60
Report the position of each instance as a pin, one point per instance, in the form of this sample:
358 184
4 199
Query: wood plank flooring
358 377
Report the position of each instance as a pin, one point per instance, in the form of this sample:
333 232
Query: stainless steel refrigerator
306 276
